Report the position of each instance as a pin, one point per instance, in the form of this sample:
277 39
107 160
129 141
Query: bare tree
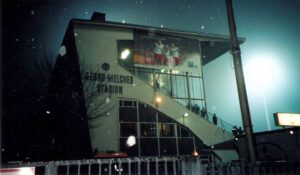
98 104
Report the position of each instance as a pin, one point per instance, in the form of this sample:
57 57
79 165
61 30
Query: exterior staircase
209 133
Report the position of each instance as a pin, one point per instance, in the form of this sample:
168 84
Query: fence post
109 166
148 167
78 168
51 168
139 165
100 166
174 166
120 169
166 166
129 166
156 166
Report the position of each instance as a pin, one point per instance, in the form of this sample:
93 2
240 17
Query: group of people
237 131
203 112
166 54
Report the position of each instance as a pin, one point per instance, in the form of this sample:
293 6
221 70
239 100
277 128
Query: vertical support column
188 90
201 79
171 83
236 53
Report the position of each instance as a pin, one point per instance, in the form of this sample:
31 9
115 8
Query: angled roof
212 45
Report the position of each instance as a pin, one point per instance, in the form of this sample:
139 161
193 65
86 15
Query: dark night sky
271 29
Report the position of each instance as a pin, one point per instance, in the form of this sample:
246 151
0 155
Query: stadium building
134 89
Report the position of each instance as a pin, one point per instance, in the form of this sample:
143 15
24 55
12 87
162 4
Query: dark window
168 146
147 113
148 130
185 146
128 114
166 130
128 129
183 132
128 103
149 147
162 118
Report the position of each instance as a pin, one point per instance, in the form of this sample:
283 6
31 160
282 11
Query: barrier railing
124 166
159 166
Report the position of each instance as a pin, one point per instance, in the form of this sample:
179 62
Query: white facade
107 83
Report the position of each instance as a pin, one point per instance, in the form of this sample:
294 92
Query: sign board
287 119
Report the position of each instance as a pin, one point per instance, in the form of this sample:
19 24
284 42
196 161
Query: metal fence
258 168
124 166
203 165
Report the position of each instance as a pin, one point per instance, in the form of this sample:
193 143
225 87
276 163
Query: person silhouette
203 112
215 119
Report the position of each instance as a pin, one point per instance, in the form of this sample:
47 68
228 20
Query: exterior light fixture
125 53
48 112
195 153
291 132
158 99
185 114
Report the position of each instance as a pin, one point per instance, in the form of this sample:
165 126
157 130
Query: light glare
158 99
125 54
262 71
131 141
186 114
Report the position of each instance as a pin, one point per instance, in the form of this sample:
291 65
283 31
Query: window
148 130
185 146
128 129
149 146
166 130
156 133
182 132
168 146
128 114
147 113
162 118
